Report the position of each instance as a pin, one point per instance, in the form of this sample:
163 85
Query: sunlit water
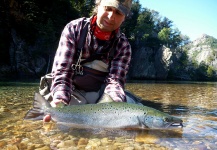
194 102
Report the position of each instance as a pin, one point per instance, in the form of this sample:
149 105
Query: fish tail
37 112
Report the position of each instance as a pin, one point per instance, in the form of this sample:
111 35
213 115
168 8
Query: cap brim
117 5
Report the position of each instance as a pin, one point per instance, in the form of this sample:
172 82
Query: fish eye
166 119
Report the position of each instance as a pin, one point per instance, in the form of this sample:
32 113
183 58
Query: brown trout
103 115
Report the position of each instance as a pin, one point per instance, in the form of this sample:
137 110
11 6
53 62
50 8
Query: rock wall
150 64
24 58
202 51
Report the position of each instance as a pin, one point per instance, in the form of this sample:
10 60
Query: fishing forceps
78 67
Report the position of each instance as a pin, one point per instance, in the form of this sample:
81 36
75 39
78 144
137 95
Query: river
194 102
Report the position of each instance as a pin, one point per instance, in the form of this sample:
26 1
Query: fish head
171 121
161 121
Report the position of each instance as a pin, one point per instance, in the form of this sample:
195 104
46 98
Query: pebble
95 142
149 139
104 141
12 147
128 148
2 144
69 148
196 142
82 141
138 146
69 143
43 148
22 145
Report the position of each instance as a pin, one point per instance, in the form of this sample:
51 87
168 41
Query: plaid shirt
62 86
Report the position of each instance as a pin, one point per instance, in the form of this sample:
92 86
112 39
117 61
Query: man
103 38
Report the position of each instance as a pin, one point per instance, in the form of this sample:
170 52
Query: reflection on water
195 103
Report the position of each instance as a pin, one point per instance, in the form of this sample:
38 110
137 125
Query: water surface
194 102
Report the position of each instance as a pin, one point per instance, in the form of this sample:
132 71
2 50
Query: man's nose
111 15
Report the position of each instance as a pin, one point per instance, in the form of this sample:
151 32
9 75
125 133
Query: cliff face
26 60
150 64
195 61
203 50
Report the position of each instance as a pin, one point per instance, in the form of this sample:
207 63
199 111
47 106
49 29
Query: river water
194 102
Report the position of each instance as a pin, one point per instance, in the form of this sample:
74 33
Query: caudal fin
37 112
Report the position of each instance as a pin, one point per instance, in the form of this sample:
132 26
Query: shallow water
194 102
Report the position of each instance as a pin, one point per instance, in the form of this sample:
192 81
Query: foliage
164 35
84 7
210 72
213 42
209 41
184 59
130 22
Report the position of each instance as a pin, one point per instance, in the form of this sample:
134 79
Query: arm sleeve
118 71
61 87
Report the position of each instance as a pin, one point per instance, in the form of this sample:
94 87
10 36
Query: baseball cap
123 5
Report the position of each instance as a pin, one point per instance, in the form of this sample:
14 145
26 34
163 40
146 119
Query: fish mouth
175 124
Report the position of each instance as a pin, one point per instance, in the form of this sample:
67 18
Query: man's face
109 18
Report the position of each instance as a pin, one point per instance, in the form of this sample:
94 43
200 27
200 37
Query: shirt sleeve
61 87
118 71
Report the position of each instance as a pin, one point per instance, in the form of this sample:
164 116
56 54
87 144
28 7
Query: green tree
161 22
164 36
131 21
210 72
84 7
144 29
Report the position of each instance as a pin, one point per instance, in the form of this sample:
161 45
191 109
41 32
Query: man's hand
54 103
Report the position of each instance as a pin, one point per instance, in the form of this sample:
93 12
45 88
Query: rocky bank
194 61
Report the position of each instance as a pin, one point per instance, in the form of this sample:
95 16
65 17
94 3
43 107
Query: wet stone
104 141
12 147
94 142
128 148
65 144
81 147
69 148
69 143
196 142
82 141
22 145
43 148
2 144
60 145
137 146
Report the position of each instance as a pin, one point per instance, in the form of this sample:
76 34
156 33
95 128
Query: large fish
103 115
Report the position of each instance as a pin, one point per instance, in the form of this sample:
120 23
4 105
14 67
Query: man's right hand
54 103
